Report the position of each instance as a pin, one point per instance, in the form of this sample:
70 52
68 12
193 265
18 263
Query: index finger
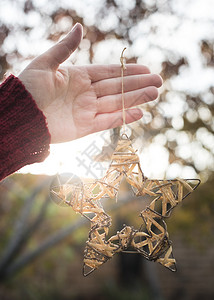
101 72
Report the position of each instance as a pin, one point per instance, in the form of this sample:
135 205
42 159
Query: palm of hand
71 105
66 98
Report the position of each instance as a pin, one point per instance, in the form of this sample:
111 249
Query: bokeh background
41 244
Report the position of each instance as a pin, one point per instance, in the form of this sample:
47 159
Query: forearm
24 136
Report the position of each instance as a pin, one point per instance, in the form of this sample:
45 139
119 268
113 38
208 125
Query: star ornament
151 240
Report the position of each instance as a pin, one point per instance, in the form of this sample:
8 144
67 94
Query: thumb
63 49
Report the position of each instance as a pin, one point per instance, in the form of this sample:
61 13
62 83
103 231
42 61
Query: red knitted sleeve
24 136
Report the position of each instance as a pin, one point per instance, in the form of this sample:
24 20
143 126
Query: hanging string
123 67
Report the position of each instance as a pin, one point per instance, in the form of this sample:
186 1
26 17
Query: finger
113 86
57 54
113 103
101 72
115 119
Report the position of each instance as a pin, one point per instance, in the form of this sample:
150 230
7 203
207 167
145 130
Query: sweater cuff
24 133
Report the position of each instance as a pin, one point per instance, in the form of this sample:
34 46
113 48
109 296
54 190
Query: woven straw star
151 240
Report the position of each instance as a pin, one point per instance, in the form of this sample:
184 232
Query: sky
179 39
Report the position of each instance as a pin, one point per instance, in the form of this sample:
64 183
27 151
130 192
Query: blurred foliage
182 121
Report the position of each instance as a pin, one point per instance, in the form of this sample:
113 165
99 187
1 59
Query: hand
79 100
